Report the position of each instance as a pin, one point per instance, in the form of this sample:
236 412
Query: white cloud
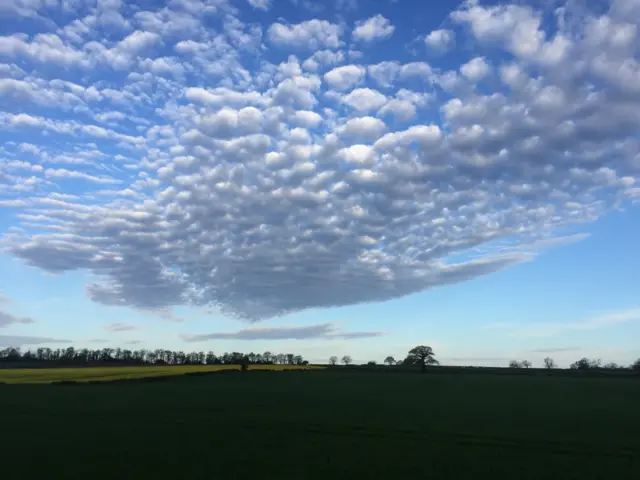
384 73
475 69
194 166
313 34
260 4
439 41
345 78
372 29
365 99
368 128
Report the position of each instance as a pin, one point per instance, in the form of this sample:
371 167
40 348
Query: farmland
326 424
105 374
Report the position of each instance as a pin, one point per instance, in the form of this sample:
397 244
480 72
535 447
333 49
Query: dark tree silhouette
549 363
346 360
120 356
333 360
421 355
586 364
390 360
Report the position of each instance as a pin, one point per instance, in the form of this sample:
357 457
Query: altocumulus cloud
201 169
326 331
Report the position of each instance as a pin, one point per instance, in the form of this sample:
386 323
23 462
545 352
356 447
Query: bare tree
390 360
347 360
549 363
525 364
333 360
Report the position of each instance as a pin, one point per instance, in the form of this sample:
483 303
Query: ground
326 424
104 374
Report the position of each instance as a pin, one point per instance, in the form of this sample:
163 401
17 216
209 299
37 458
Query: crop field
326 424
105 374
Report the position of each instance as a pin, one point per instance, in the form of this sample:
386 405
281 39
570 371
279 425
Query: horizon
325 178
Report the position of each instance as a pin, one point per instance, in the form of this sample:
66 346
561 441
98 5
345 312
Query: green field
327 424
106 374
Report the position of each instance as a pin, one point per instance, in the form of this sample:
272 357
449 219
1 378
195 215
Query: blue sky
341 177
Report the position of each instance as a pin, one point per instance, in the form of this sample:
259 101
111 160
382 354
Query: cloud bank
324 331
265 169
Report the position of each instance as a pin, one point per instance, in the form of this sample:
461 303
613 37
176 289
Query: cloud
8 319
475 69
260 4
325 331
365 99
283 177
439 41
313 34
20 340
345 78
374 28
556 350
4 299
120 327
549 329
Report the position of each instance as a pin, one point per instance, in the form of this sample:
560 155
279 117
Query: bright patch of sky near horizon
322 177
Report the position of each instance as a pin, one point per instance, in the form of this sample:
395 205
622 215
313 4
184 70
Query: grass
105 374
293 425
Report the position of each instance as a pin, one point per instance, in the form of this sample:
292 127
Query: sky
324 178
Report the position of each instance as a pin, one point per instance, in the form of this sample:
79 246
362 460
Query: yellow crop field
105 374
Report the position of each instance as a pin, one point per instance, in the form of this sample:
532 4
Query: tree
390 360
346 360
635 366
514 364
586 364
333 360
422 355
549 363
525 364
371 363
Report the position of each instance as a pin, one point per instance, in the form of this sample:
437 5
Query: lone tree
514 364
423 356
346 360
390 360
549 363
333 360
525 364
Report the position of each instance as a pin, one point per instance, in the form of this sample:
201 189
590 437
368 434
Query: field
326 424
106 374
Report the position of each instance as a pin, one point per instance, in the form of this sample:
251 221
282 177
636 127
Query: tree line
421 355
582 364
123 356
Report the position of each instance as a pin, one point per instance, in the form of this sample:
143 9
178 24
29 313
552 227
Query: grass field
105 374
312 425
